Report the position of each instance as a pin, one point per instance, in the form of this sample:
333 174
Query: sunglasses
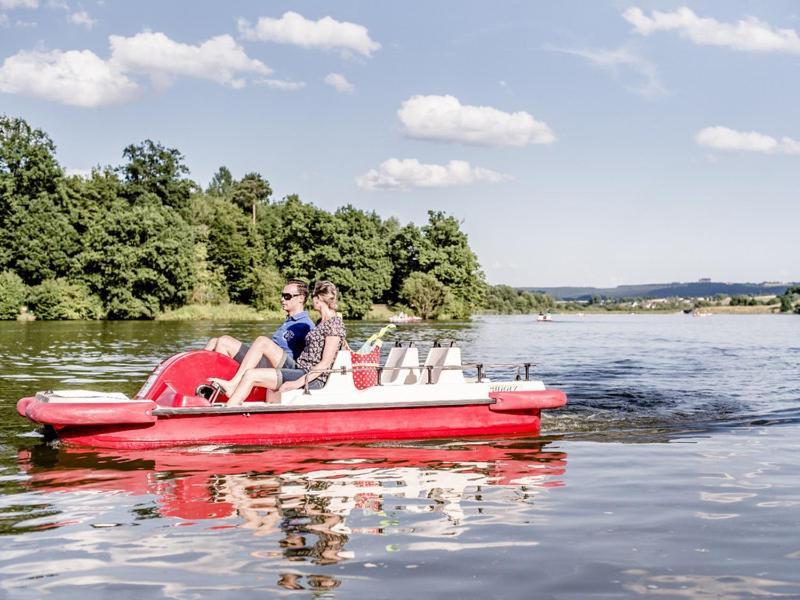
290 296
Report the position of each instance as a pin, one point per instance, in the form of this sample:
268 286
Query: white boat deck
403 382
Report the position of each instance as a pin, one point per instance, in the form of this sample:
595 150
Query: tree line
133 240
790 300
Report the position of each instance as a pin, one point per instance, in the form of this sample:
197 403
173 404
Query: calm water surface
673 473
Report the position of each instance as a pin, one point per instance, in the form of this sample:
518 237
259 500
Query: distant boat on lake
402 317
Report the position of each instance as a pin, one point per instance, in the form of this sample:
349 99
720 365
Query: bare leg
262 347
224 344
251 378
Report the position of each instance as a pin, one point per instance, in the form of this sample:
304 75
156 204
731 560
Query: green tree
153 169
42 242
267 286
233 245
503 299
360 267
299 237
28 166
13 292
743 301
28 171
447 256
789 298
139 260
249 193
60 299
221 183
210 286
423 293
404 252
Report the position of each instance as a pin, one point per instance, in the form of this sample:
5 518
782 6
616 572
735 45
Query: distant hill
697 289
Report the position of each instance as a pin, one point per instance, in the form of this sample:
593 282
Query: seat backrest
443 357
402 367
338 382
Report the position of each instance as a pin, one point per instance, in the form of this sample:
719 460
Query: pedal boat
433 400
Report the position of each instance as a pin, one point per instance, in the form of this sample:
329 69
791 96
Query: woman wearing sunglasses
322 344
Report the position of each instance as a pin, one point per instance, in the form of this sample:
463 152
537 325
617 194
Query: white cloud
12 4
326 33
398 174
3 20
282 84
444 118
340 83
81 78
723 138
618 60
748 34
219 59
82 19
77 78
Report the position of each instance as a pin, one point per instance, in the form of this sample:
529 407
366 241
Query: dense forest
133 240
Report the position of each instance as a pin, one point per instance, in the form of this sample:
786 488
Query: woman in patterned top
322 344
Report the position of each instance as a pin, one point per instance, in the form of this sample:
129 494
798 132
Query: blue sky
581 143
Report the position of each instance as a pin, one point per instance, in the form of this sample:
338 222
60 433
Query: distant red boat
434 400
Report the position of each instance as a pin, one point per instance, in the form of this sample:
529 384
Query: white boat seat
443 357
402 367
338 382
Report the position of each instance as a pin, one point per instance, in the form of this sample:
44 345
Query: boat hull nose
22 406
527 400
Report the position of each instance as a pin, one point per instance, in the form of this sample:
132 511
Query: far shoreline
232 313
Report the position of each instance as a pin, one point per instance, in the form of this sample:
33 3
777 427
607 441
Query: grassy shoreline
242 312
220 312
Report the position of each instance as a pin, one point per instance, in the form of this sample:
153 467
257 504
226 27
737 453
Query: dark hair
302 287
326 291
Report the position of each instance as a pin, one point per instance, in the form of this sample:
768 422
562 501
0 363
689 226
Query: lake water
674 472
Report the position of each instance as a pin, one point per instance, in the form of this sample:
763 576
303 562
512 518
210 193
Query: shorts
286 362
289 374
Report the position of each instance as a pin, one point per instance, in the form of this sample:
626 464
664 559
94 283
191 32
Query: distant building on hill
704 280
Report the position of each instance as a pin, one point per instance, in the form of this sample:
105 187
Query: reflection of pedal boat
186 483
413 402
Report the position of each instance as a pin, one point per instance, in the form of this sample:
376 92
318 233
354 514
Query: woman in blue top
322 344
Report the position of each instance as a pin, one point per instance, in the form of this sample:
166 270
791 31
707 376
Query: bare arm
328 356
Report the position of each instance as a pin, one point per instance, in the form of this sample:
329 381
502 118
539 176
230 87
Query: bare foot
225 386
